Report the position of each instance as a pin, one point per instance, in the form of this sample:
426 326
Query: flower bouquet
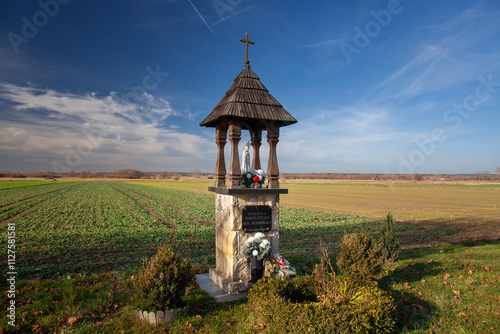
282 266
257 246
252 178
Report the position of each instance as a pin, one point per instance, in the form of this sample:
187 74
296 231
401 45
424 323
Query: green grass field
78 243
20 184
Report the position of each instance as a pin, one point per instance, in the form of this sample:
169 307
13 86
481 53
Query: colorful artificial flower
282 266
252 178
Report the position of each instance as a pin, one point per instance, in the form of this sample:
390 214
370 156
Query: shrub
447 247
294 306
162 282
388 241
361 257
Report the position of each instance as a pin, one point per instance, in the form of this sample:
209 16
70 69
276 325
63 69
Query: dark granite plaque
257 218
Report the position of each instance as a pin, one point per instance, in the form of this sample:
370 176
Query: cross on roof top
247 41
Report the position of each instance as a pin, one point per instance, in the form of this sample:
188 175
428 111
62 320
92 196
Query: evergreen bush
295 306
162 281
361 257
388 240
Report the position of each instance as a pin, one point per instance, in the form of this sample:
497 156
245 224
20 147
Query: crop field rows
78 243
102 226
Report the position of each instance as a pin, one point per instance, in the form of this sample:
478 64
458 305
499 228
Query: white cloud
45 123
341 139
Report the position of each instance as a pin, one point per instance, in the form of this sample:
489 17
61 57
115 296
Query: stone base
215 291
226 285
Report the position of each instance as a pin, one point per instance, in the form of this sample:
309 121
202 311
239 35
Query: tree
196 173
126 174
483 176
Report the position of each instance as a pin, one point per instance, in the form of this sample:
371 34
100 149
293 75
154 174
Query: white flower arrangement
257 246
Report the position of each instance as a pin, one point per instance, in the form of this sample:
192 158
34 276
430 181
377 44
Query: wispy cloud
423 61
448 58
340 138
329 43
47 123
461 21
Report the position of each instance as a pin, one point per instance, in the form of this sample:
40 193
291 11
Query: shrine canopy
248 99
247 105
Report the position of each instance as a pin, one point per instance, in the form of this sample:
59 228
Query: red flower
256 178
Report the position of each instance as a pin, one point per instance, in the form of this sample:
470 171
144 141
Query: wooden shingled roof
247 98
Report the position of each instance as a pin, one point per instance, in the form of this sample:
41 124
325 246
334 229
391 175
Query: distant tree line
479 176
117 174
136 174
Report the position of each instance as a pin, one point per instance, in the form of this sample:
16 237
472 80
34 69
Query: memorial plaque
257 218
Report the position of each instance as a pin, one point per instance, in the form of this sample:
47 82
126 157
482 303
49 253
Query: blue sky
376 86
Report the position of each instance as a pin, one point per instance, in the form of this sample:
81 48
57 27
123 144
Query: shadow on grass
412 311
480 242
412 273
465 228
205 311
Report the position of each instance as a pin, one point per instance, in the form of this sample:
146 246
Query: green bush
294 306
361 257
388 240
162 282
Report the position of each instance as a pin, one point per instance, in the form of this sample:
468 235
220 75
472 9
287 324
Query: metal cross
247 41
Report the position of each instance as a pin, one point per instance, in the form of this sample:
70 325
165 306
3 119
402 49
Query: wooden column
256 138
220 167
273 172
234 165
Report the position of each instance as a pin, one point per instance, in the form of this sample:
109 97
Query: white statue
245 158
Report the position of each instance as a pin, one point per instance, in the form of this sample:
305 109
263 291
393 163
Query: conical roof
247 98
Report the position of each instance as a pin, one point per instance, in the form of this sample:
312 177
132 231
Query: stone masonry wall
230 238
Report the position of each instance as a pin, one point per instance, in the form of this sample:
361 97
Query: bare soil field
470 207
473 210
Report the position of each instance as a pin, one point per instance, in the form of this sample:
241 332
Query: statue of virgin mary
245 158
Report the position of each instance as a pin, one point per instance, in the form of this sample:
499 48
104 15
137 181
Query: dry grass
473 210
